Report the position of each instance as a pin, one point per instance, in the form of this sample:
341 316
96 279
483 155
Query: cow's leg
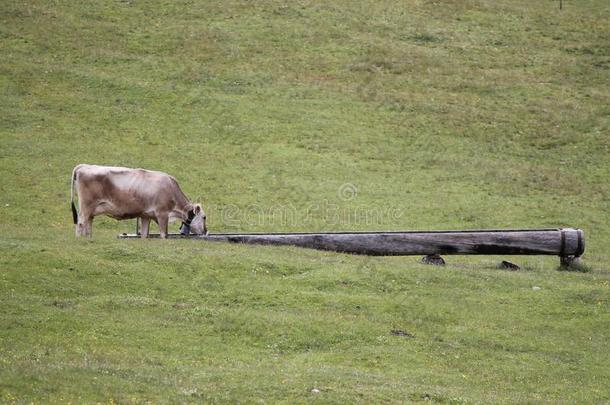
83 212
80 229
163 221
85 223
145 225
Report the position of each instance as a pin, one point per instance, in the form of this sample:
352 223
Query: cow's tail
74 212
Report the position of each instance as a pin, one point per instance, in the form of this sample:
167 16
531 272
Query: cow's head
198 223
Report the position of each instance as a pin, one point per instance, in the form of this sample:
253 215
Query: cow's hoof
434 259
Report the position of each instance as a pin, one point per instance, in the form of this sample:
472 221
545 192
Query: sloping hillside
305 116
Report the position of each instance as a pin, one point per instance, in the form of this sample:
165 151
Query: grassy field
306 116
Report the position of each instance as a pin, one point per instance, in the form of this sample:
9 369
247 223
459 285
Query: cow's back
121 192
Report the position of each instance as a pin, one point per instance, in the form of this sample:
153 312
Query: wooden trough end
564 242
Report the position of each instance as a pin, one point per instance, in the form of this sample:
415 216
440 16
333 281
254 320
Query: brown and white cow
123 193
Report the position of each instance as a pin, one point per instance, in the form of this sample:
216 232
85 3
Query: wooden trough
566 243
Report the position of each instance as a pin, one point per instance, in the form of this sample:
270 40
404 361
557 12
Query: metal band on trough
559 242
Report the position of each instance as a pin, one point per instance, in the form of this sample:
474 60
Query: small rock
190 392
434 259
569 261
405 334
536 288
509 266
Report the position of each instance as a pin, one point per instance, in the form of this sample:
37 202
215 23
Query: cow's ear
197 209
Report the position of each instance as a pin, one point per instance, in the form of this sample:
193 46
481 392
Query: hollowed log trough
565 242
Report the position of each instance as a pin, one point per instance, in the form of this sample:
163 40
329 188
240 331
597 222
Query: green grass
306 116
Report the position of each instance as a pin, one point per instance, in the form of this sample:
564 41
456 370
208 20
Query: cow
124 193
